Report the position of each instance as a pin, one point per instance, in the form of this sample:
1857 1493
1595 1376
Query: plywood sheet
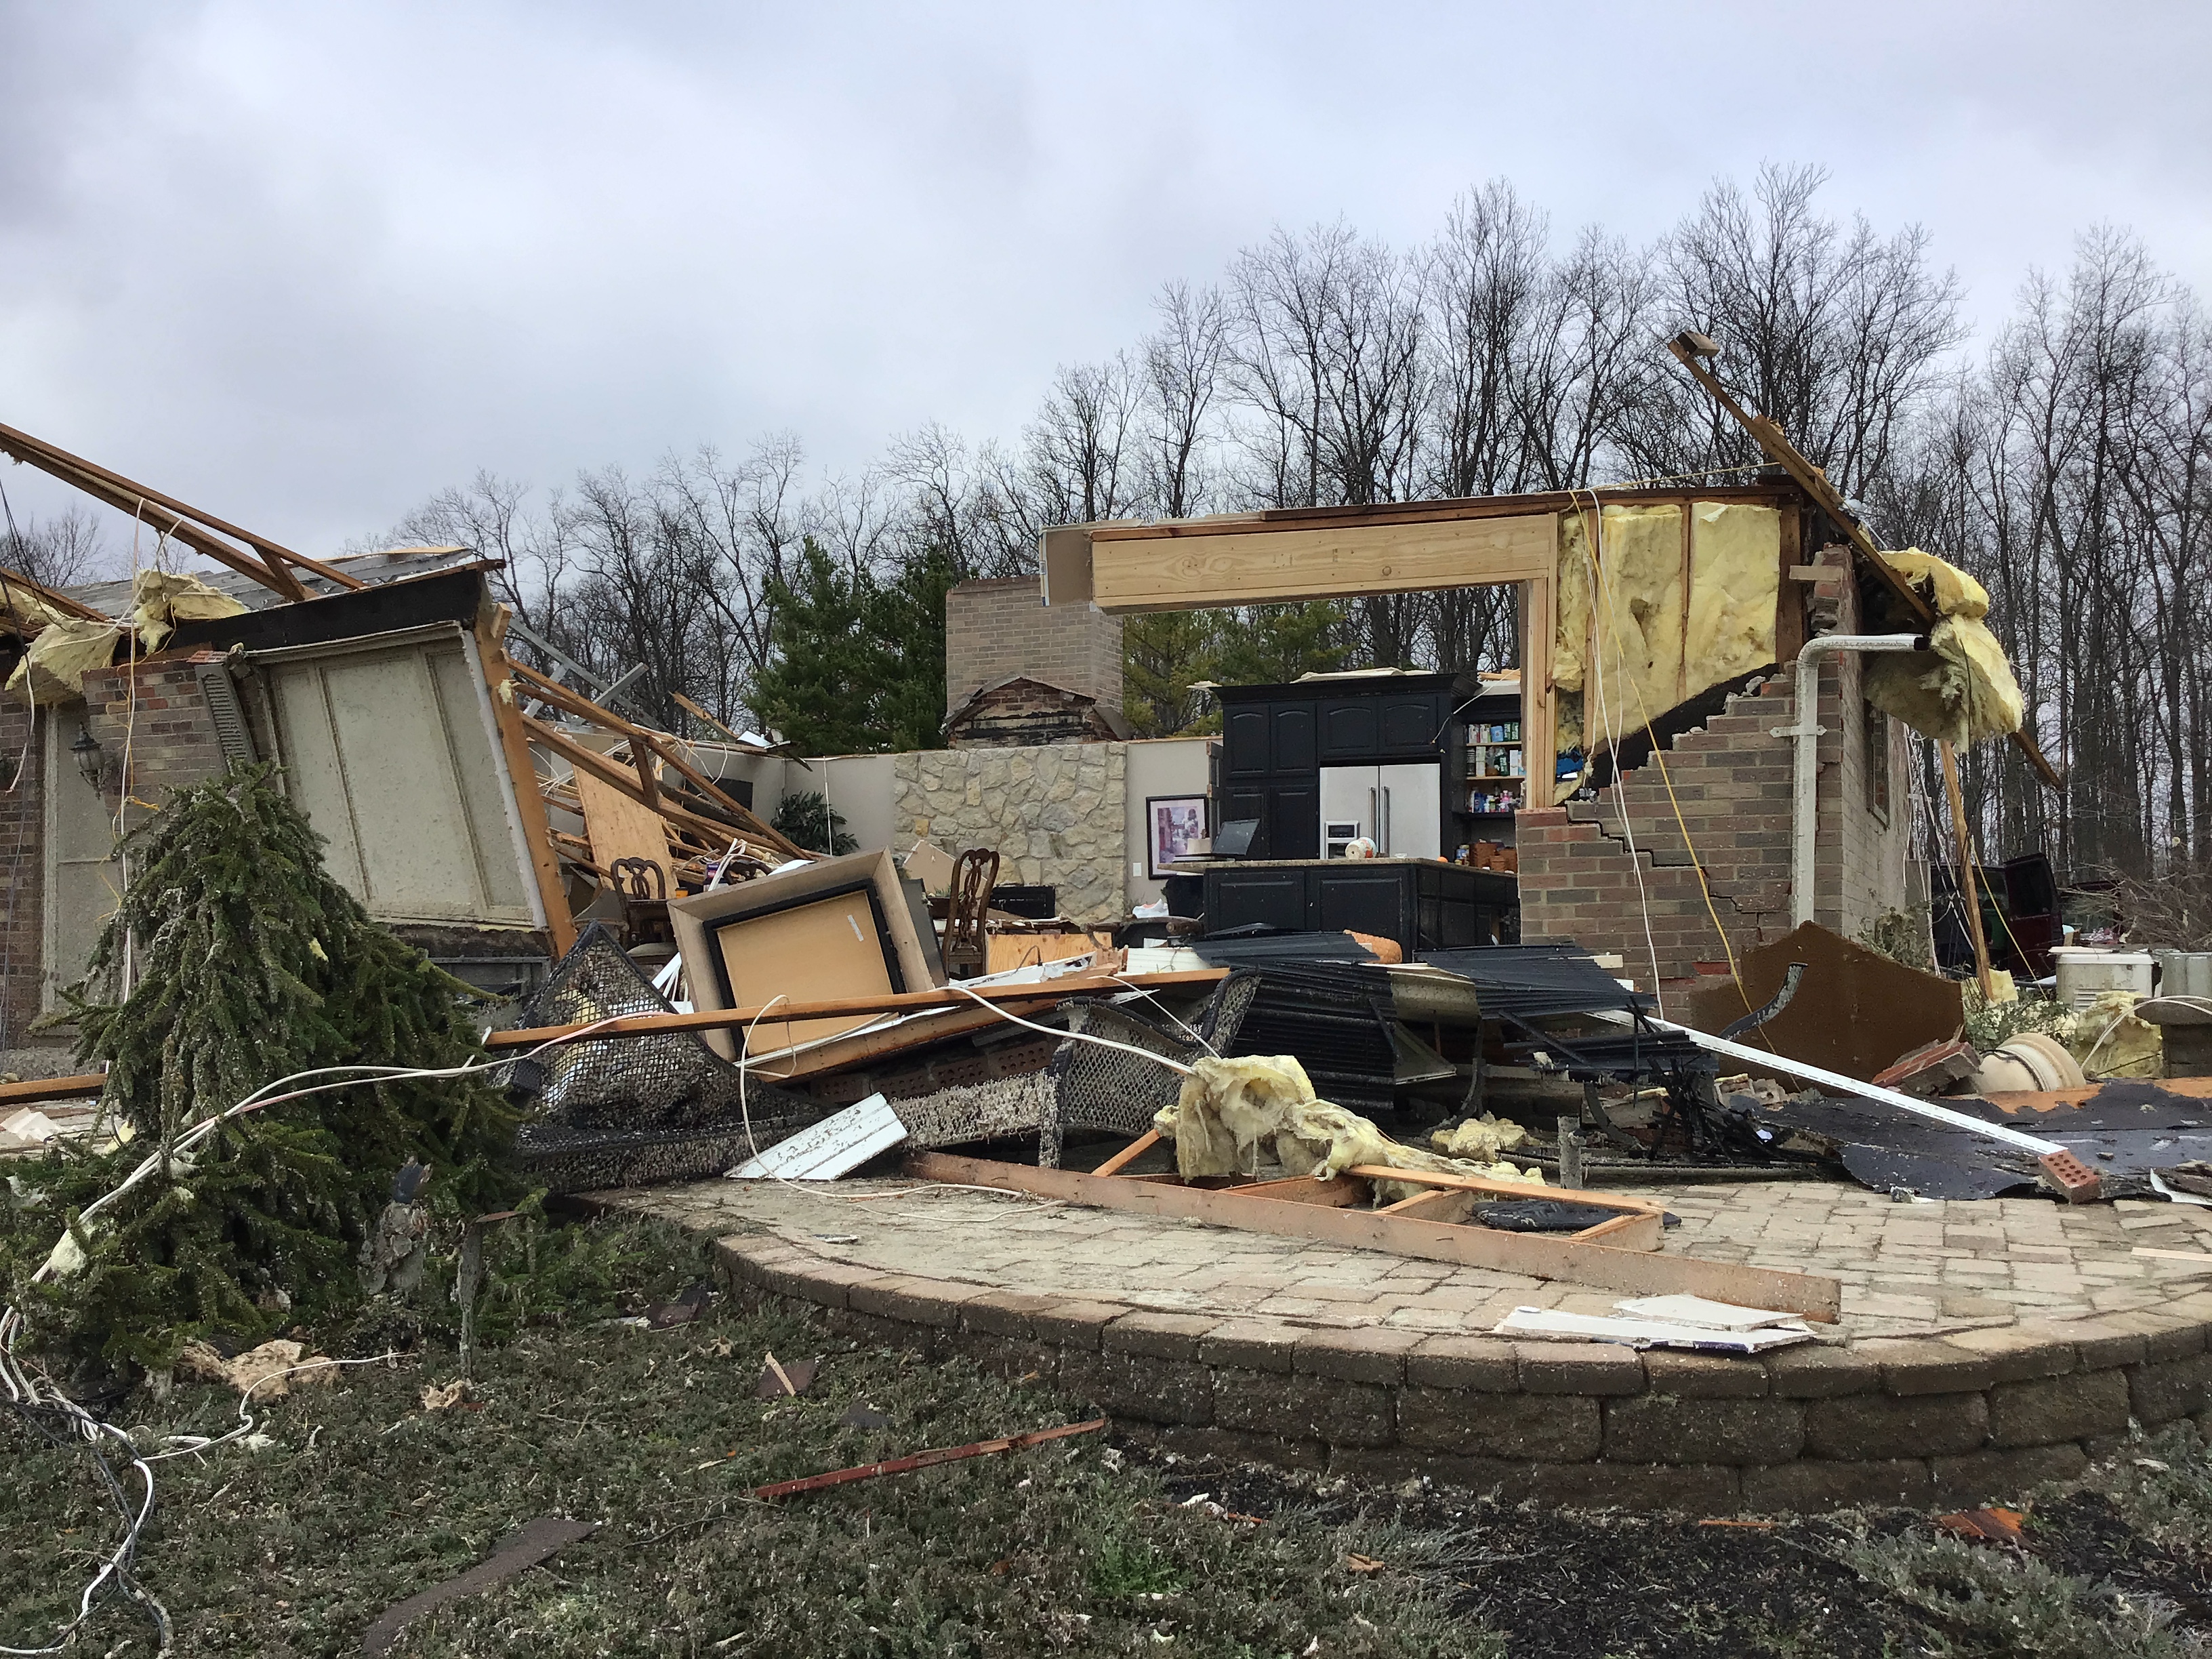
1003 951
619 826
1179 572
809 953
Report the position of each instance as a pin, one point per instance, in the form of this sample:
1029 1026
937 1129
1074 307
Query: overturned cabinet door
389 747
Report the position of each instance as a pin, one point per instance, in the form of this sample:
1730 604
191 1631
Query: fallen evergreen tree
233 961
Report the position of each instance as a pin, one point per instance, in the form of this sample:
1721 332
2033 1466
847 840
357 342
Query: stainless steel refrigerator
1400 807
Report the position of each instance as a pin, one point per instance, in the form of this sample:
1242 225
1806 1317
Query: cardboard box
840 927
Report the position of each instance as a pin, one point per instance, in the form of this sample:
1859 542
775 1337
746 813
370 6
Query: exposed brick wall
997 629
168 735
22 872
1732 779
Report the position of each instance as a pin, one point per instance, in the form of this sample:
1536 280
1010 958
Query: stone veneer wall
1054 813
1968 1419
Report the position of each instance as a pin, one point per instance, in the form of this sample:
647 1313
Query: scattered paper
1699 1311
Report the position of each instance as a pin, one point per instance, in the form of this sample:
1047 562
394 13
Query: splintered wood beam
1535 1255
1771 438
618 777
746 823
490 637
1129 1154
51 599
75 469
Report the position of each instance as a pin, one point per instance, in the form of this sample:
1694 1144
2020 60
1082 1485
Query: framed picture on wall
1177 823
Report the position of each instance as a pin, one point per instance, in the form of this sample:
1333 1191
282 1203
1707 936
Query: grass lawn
364 1496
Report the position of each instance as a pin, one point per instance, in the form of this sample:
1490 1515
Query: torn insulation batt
1961 689
1242 1115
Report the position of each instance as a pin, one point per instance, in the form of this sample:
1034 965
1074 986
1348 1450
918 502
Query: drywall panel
1156 766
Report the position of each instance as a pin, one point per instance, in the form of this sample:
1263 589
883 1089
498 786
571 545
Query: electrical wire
1613 738
32 1395
1697 864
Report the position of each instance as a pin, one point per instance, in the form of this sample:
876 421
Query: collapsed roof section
384 684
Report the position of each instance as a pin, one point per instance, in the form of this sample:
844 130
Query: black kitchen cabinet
1422 904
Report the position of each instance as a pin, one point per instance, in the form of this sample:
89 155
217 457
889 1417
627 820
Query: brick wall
997 629
168 735
1732 780
22 872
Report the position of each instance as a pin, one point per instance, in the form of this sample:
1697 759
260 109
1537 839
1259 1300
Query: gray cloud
306 265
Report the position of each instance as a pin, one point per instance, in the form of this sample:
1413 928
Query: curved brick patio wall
1963 1419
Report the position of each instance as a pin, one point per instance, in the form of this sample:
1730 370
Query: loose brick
911 1301
2018 1353
1004 1313
2058 1408
1135 1386
1861 1427
1918 1365
1656 1429
1074 1324
1705 1376
1811 1485
829 1282
2180 1388
1305 1408
1820 1373
1251 1345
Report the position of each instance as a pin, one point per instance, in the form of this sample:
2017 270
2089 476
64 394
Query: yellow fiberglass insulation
1238 1116
1735 568
163 600
1639 602
53 669
1480 1139
1961 689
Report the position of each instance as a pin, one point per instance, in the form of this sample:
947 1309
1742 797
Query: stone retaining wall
1969 1418
1055 812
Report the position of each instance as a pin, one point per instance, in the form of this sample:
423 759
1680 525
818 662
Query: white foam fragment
1549 1323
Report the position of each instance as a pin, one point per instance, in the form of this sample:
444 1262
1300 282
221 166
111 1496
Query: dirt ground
365 1494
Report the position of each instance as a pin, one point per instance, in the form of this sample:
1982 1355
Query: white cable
1613 737
31 1395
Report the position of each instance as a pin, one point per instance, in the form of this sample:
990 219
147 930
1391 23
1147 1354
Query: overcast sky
303 265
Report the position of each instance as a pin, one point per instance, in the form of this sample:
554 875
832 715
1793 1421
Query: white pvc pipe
1903 1102
1804 796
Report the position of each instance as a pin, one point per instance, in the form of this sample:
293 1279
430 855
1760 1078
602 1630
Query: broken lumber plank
84 1086
891 1002
523 784
1340 1193
1438 1204
517 1552
924 1460
1129 1154
1508 1189
1535 1255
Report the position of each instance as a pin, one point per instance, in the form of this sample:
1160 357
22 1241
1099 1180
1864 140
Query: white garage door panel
386 753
